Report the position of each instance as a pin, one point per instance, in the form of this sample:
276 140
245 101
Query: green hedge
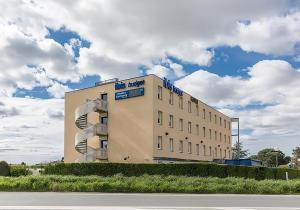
201 170
19 170
4 169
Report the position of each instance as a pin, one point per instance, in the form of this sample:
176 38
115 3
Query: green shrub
147 184
4 169
19 170
195 169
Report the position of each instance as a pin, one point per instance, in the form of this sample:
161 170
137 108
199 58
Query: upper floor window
171 121
215 119
180 146
229 125
171 144
190 147
197 129
220 136
189 127
181 102
210 152
220 121
224 138
181 124
215 135
197 109
171 99
204 132
159 92
189 106
104 96
159 142
160 118
203 113
225 123
209 133
209 116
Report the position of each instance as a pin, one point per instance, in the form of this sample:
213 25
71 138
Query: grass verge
148 184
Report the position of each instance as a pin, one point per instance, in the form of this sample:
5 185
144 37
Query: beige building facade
142 120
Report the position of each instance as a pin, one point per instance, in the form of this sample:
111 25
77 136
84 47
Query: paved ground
93 201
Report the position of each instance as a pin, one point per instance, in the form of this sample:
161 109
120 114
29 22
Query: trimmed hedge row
200 170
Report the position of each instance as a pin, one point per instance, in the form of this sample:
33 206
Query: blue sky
243 58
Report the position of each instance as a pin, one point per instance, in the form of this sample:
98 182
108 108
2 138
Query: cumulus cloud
31 131
58 90
272 86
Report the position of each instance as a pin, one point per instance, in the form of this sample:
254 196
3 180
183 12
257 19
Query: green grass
148 184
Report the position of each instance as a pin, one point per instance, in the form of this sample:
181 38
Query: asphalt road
93 201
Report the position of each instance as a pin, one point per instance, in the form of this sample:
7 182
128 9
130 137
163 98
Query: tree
271 157
296 156
238 152
296 153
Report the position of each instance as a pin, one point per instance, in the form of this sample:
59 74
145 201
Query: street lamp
276 150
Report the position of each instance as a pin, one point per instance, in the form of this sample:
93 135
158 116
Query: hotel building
142 120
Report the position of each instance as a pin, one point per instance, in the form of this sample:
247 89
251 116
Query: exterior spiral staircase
89 130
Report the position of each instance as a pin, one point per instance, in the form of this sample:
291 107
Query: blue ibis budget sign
171 87
129 93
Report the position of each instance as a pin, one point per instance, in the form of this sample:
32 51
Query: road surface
95 201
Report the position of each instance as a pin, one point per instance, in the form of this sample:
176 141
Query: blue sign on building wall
129 93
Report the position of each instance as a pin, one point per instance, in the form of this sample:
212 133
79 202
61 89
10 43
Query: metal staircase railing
89 130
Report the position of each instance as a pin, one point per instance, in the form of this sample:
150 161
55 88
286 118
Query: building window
229 140
225 153
197 129
181 102
190 147
181 124
197 149
209 116
225 123
159 142
197 109
220 136
189 127
189 106
215 135
171 99
159 92
204 150
220 121
225 138
216 152
229 155
104 96
215 119
210 151
171 121
171 144
181 146
221 156
160 118
228 125
203 113
204 132
210 134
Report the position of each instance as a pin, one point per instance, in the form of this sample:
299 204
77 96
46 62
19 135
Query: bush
19 170
4 169
195 169
147 184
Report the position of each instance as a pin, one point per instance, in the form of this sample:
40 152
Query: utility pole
237 120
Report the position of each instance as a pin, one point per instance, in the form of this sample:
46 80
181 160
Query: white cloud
273 85
125 36
58 90
35 133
